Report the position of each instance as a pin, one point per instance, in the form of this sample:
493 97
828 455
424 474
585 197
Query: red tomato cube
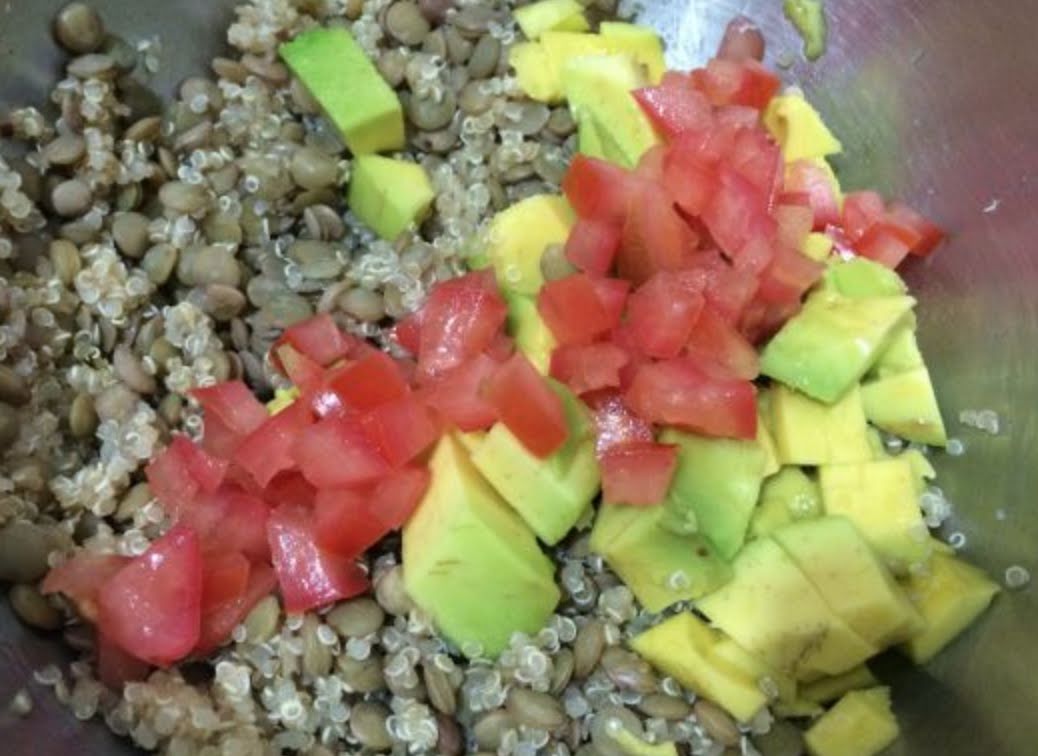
318 338
224 605
678 392
688 177
345 521
597 189
267 450
181 472
860 211
572 309
458 395
232 412
461 319
80 578
588 367
675 107
615 424
714 341
229 520
795 222
887 243
401 430
309 576
655 237
289 487
806 177
737 213
115 667
638 474
336 452
662 313
372 380
727 82
528 406
306 374
152 607
592 246
930 236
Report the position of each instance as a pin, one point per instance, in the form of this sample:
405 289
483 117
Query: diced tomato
267 450
230 520
572 309
81 577
758 159
638 474
678 392
345 521
655 237
804 176
501 348
588 367
930 236
528 406
661 315
762 320
289 487
860 211
398 495
370 381
461 319
675 107
887 243
219 618
612 293
742 40
401 430
115 667
458 395
336 452
231 413
592 246
597 189
408 332
795 222
716 342
152 607
726 82
789 276
309 575
730 290
688 178
615 424
318 338
737 212
755 256
181 471
306 374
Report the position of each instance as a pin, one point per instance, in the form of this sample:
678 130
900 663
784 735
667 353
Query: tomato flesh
528 406
675 106
662 314
180 472
588 367
458 395
370 381
597 189
592 246
637 474
401 430
81 577
318 338
231 413
716 342
572 309
336 452
267 451
461 319
615 424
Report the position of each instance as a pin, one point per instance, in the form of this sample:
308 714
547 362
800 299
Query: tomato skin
592 246
597 189
461 319
860 211
345 521
267 450
318 338
727 82
289 487
737 212
590 367
689 178
115 667
231 413
887 243
717 343
528 406
372 380
81 577
408 332
181 472
662 314
401 430
638 474
152 607
230 520
458 395
804 176
680 393
308 575
675 106
930 235
336 452
572 309
398 494
742 40
226 608
616 425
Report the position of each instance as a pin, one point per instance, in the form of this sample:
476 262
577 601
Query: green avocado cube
860 724
642 42
902 355
471 562
532 335
786 497
389 195
829 689
861 278
715 488
905 404
550 15
808 432
660 567
834 341
340 76
882 499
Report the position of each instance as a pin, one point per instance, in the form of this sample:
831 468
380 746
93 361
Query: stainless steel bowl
935 101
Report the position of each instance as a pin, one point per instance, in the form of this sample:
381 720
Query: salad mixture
452 377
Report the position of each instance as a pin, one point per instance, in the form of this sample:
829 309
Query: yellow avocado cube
388 195
951 595
799 129
550 15
817 246
830 688
518 236
533 70
640 41
808 432
861 724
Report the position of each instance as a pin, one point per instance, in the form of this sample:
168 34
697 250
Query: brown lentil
10 425
535 709
71 198
664 707
361 675
82 418
587 648
405 23
783 739
33 609
716 722
628 671
391 593
489 730
133 501
449 741
13 388
67 149
368 725
356 618
439 688
485 55
79 28
24 547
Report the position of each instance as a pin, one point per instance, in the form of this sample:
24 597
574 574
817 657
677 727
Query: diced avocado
920 466
905 405
785 498
715 486
799 129
808 432
773 611
600 85
283 399
808 16
817 246
660 567
551 15
831 688
471 563
823 165
340 76
532 335
640 41
389 195
860 278
533 70
518 236
902 355
798 708
826 349
684 648
861 724
552 494
951 595
589 138
851 578
561 47
881 499
766 441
